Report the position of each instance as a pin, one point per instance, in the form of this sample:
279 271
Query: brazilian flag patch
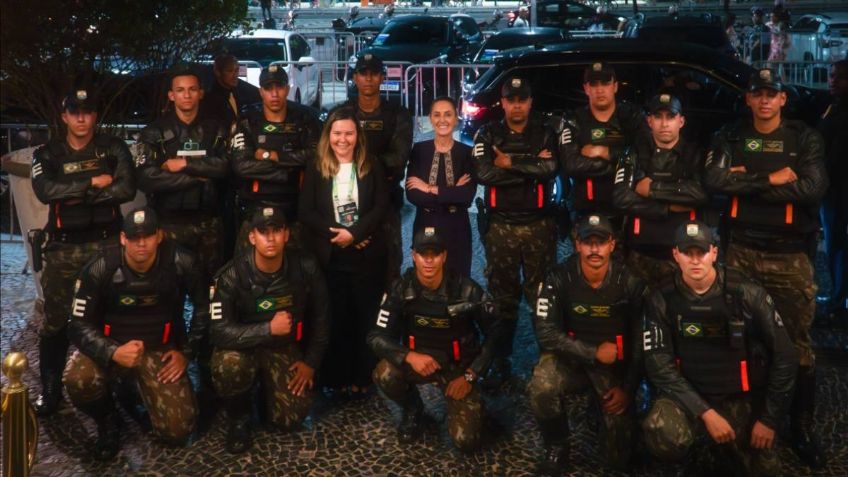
270 128
273 303
754 145
127 300
599 133
692 330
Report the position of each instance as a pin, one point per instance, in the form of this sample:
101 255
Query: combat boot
239 438
804 440
105 415
52 351
411 417
555 440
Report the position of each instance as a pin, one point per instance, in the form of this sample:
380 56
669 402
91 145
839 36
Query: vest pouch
73 215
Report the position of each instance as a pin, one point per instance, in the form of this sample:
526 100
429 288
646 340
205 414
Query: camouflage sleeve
85 327
548 323
659 355
384 337
784 358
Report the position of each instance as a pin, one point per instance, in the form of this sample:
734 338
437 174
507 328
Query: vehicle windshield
498 43
398 33
262 50
705 35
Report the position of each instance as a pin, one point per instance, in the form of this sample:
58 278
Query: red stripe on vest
743 374
619 344
456 354
298 334
411 342
540 194
636 225
167 333
590 189
107 330
734 206
789 213
492 197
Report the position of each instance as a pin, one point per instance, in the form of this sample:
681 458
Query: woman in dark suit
343 201
439 184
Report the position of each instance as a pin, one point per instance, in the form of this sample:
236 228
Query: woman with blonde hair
342 204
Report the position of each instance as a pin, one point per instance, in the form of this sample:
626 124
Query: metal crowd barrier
812 74
429 81
331 45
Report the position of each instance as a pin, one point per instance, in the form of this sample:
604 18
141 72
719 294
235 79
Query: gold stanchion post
20 426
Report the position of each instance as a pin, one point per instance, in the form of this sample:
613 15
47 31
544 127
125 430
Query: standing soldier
658 186
588 323
269 316
388 137
773 172
127 321
427 332
594 139
181 168
83 179
270 151
720 358
515 159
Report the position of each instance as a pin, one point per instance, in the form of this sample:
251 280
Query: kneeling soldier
587 322
426 332
721 360
269 315
127 321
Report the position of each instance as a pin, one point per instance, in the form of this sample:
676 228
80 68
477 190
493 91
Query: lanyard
351 184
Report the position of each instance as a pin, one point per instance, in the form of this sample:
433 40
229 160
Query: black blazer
316 212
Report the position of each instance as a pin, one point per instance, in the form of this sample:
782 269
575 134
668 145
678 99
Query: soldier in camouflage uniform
773 172
269 317
270 150
426 332
388 137
721 361
127 321
181 168
515 159
83 178
588 326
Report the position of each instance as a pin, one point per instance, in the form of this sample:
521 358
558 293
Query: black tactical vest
531 195
74 215
258 303
430 329
768 154
646 233
143 308
199 136
594 194
597 315
380 129
281 137
711 341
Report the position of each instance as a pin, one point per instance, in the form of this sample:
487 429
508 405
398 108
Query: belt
449 209
84 236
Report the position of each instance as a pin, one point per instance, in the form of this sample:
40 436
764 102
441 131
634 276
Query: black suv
711 85
424 39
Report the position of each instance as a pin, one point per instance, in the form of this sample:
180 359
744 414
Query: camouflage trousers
243 239
234 371
172 407
513 251
788 279
62 265
554 378
394 248
671 435
465 416
652 270
204 238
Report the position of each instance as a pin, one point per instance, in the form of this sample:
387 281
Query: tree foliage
50 47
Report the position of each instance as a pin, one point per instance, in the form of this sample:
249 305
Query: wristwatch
266 155
469 376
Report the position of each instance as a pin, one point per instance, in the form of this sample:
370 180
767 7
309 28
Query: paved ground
357 438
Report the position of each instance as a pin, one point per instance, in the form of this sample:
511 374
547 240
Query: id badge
348 214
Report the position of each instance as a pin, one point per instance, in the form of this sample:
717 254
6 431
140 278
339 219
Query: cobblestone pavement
356 437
